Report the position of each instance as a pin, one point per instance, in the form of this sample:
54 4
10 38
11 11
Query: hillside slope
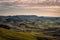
6 34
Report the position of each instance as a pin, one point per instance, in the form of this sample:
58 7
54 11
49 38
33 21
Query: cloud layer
29 2
27 6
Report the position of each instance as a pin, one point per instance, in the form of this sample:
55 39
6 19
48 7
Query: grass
11 35
6 34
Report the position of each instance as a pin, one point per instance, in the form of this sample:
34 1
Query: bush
4 26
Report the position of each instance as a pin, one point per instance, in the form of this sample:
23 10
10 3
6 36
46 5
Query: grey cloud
4 5
1 0
44 3
8 3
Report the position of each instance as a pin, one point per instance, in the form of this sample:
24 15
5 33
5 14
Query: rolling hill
29 27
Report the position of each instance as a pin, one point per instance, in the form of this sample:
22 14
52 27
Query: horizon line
29 15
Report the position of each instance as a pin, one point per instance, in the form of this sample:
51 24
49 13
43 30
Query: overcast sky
30 7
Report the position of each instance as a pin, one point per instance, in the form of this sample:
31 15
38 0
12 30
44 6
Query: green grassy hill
6 34
11 35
